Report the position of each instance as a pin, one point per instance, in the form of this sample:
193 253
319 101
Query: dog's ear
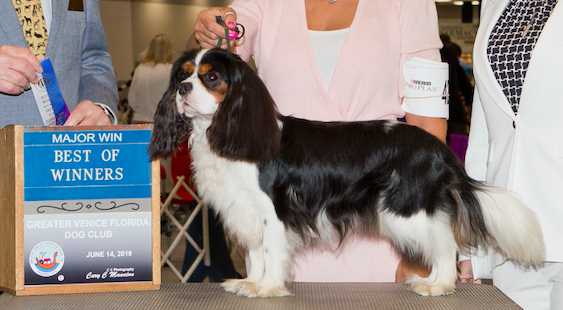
245 125
170 128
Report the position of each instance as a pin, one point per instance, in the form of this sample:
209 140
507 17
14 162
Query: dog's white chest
214 174
231 188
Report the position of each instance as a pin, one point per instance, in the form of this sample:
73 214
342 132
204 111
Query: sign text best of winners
87 206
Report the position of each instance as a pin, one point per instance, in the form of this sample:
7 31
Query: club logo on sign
46 258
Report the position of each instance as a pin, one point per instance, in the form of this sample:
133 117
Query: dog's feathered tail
493 217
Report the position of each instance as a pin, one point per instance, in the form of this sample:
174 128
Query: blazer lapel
57 22
492 12
10 24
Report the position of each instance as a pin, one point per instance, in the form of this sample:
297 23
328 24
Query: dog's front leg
255 270
276 259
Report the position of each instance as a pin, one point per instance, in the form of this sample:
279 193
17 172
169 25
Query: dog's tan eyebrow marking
204 68
188 67
220 91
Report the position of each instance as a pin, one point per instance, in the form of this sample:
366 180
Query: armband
426 88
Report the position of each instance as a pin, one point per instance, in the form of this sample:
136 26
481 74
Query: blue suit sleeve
97 79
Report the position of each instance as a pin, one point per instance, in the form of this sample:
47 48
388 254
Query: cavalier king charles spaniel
281 183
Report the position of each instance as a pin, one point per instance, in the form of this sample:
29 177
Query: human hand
206 29
18 68
88 113
465 272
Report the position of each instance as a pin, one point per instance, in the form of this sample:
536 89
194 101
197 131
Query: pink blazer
366 85
367 79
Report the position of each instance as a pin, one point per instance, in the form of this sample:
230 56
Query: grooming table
309 296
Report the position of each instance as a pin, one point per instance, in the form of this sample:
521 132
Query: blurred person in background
461 96
150 79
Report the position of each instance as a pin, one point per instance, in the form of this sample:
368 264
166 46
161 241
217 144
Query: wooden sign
79 210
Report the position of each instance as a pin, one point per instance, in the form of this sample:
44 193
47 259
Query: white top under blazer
326 47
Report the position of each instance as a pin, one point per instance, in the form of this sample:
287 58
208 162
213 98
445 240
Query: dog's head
219 86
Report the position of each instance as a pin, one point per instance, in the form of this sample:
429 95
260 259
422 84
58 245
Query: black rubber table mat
309 296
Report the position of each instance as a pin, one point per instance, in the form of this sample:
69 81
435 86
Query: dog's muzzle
185 88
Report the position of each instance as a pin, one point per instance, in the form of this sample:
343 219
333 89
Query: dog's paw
231 285
424 289
278 291
242 287
248 289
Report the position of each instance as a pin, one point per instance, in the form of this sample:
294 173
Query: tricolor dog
280 183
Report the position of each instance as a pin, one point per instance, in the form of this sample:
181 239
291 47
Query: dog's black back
348 171
353 170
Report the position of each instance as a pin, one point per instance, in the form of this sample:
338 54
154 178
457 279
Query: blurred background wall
131 24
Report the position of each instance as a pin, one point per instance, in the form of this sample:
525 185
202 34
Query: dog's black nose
185 88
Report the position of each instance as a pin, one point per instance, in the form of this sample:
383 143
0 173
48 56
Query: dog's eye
212 76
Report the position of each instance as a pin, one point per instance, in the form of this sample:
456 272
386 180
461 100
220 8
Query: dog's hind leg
442 279
431 238
439 249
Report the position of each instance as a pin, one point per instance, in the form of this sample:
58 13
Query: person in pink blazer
343 60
